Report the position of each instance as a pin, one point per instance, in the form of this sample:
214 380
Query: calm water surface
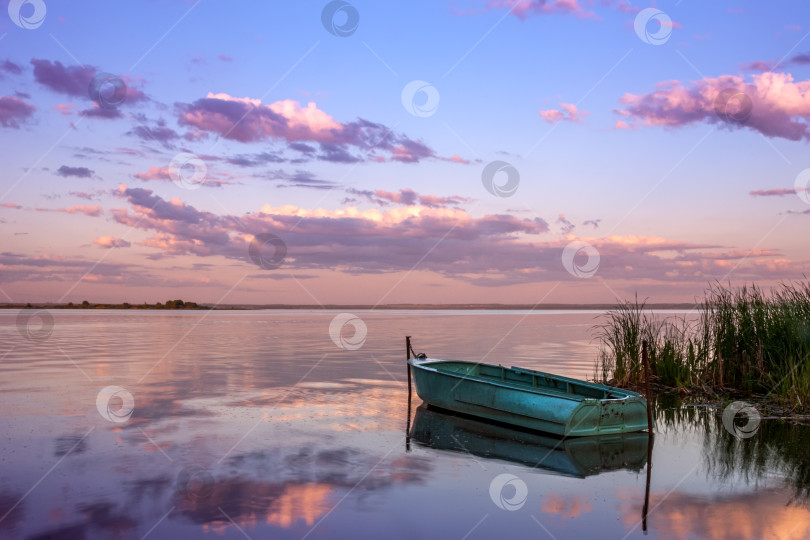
256 425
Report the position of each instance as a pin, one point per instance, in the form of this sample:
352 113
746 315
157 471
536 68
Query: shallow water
256 424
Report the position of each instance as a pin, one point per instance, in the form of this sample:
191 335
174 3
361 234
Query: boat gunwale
627 394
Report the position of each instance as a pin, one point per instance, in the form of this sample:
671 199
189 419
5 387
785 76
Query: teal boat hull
577 457
531 399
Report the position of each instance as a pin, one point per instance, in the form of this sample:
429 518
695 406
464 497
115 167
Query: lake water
256 424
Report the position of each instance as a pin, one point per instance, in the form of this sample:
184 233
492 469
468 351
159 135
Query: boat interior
528 379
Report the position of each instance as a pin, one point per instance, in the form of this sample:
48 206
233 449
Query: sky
314 152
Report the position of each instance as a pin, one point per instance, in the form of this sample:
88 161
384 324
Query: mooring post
646 361
408 357
647 488
408 420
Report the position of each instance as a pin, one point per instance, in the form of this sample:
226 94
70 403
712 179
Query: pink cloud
434 201
455 10
92 211
248 120
489 250
405 196
11 205
565 225
523 9
154 173
526 8
485 251
111 242
568 113
14 111
780 192
409 197
225 58
322 237
772 104
65 109
621 124
86 195
42 269
162 174
455 158
625 7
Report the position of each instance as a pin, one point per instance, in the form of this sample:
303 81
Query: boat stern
603 416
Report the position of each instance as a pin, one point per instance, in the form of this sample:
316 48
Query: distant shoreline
349 307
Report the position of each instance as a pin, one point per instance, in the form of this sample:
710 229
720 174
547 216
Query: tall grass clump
741 339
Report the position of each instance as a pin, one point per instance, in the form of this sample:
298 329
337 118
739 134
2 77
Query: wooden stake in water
647 488
408 357
408 421
646 361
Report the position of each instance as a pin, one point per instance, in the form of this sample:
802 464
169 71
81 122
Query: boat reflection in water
577 457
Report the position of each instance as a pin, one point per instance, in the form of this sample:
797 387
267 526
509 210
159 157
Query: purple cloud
14 111
304 129
10 67
77 172
75 81
772 104
71 80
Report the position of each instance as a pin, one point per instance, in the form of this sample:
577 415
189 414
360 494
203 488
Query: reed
740 340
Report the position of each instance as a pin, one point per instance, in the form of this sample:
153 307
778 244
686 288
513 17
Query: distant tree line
169 304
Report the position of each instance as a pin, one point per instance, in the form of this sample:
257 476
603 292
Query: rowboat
530 399
576 457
